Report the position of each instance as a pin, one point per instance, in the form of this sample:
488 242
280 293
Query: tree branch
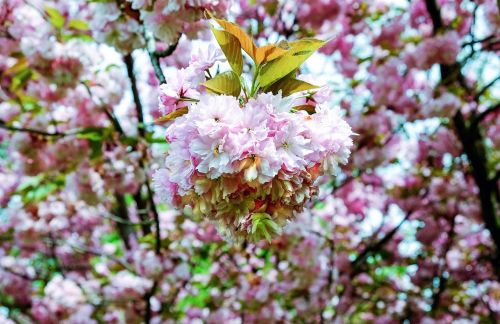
168 51
84 249
486 87
378 245
111 116
124 229
156 218
155 56
436 299
31 130
141 204
473 145
129 63
483 115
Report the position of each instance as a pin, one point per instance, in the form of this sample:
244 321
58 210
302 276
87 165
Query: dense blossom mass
408 230
236 164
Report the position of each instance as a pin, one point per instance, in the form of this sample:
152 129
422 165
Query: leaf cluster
274 65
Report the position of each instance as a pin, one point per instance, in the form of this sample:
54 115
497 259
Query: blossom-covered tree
160 165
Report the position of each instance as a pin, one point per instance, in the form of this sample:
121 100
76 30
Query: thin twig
31 130
129 63
378 245
84 249
111 116
155 56
156 217
442 280
127 222
486 87
485 113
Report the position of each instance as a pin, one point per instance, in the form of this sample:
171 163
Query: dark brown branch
435 14
129 63
114 121
143 212
486 87
473 145
436 299
111 116
477 41
141 204
155 61
155 56
147 299
139 200
168 51
378 245
85 249
475 151
31 130
17 274
483 115
156 218
121 212
123 221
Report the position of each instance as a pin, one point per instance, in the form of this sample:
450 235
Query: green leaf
91 133
78 24
231 47
95 149
38 188
290 85
55 17
173 115
310 109
300 51
255 225
268 53
20 79
263 226
225 83
82 37
246 41
28 103
21 64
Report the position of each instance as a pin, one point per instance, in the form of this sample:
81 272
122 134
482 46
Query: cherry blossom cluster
233 163
122 24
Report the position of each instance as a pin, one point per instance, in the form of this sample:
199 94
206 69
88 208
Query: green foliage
294 57
225 83
28 103
113 238
78 24
20 79
310 109
391 271
96 136
67 30
173 115
38 188
246 41
289 85
274 63
82 37
274 66
20 72
200 265
55 17
231 47
263 226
